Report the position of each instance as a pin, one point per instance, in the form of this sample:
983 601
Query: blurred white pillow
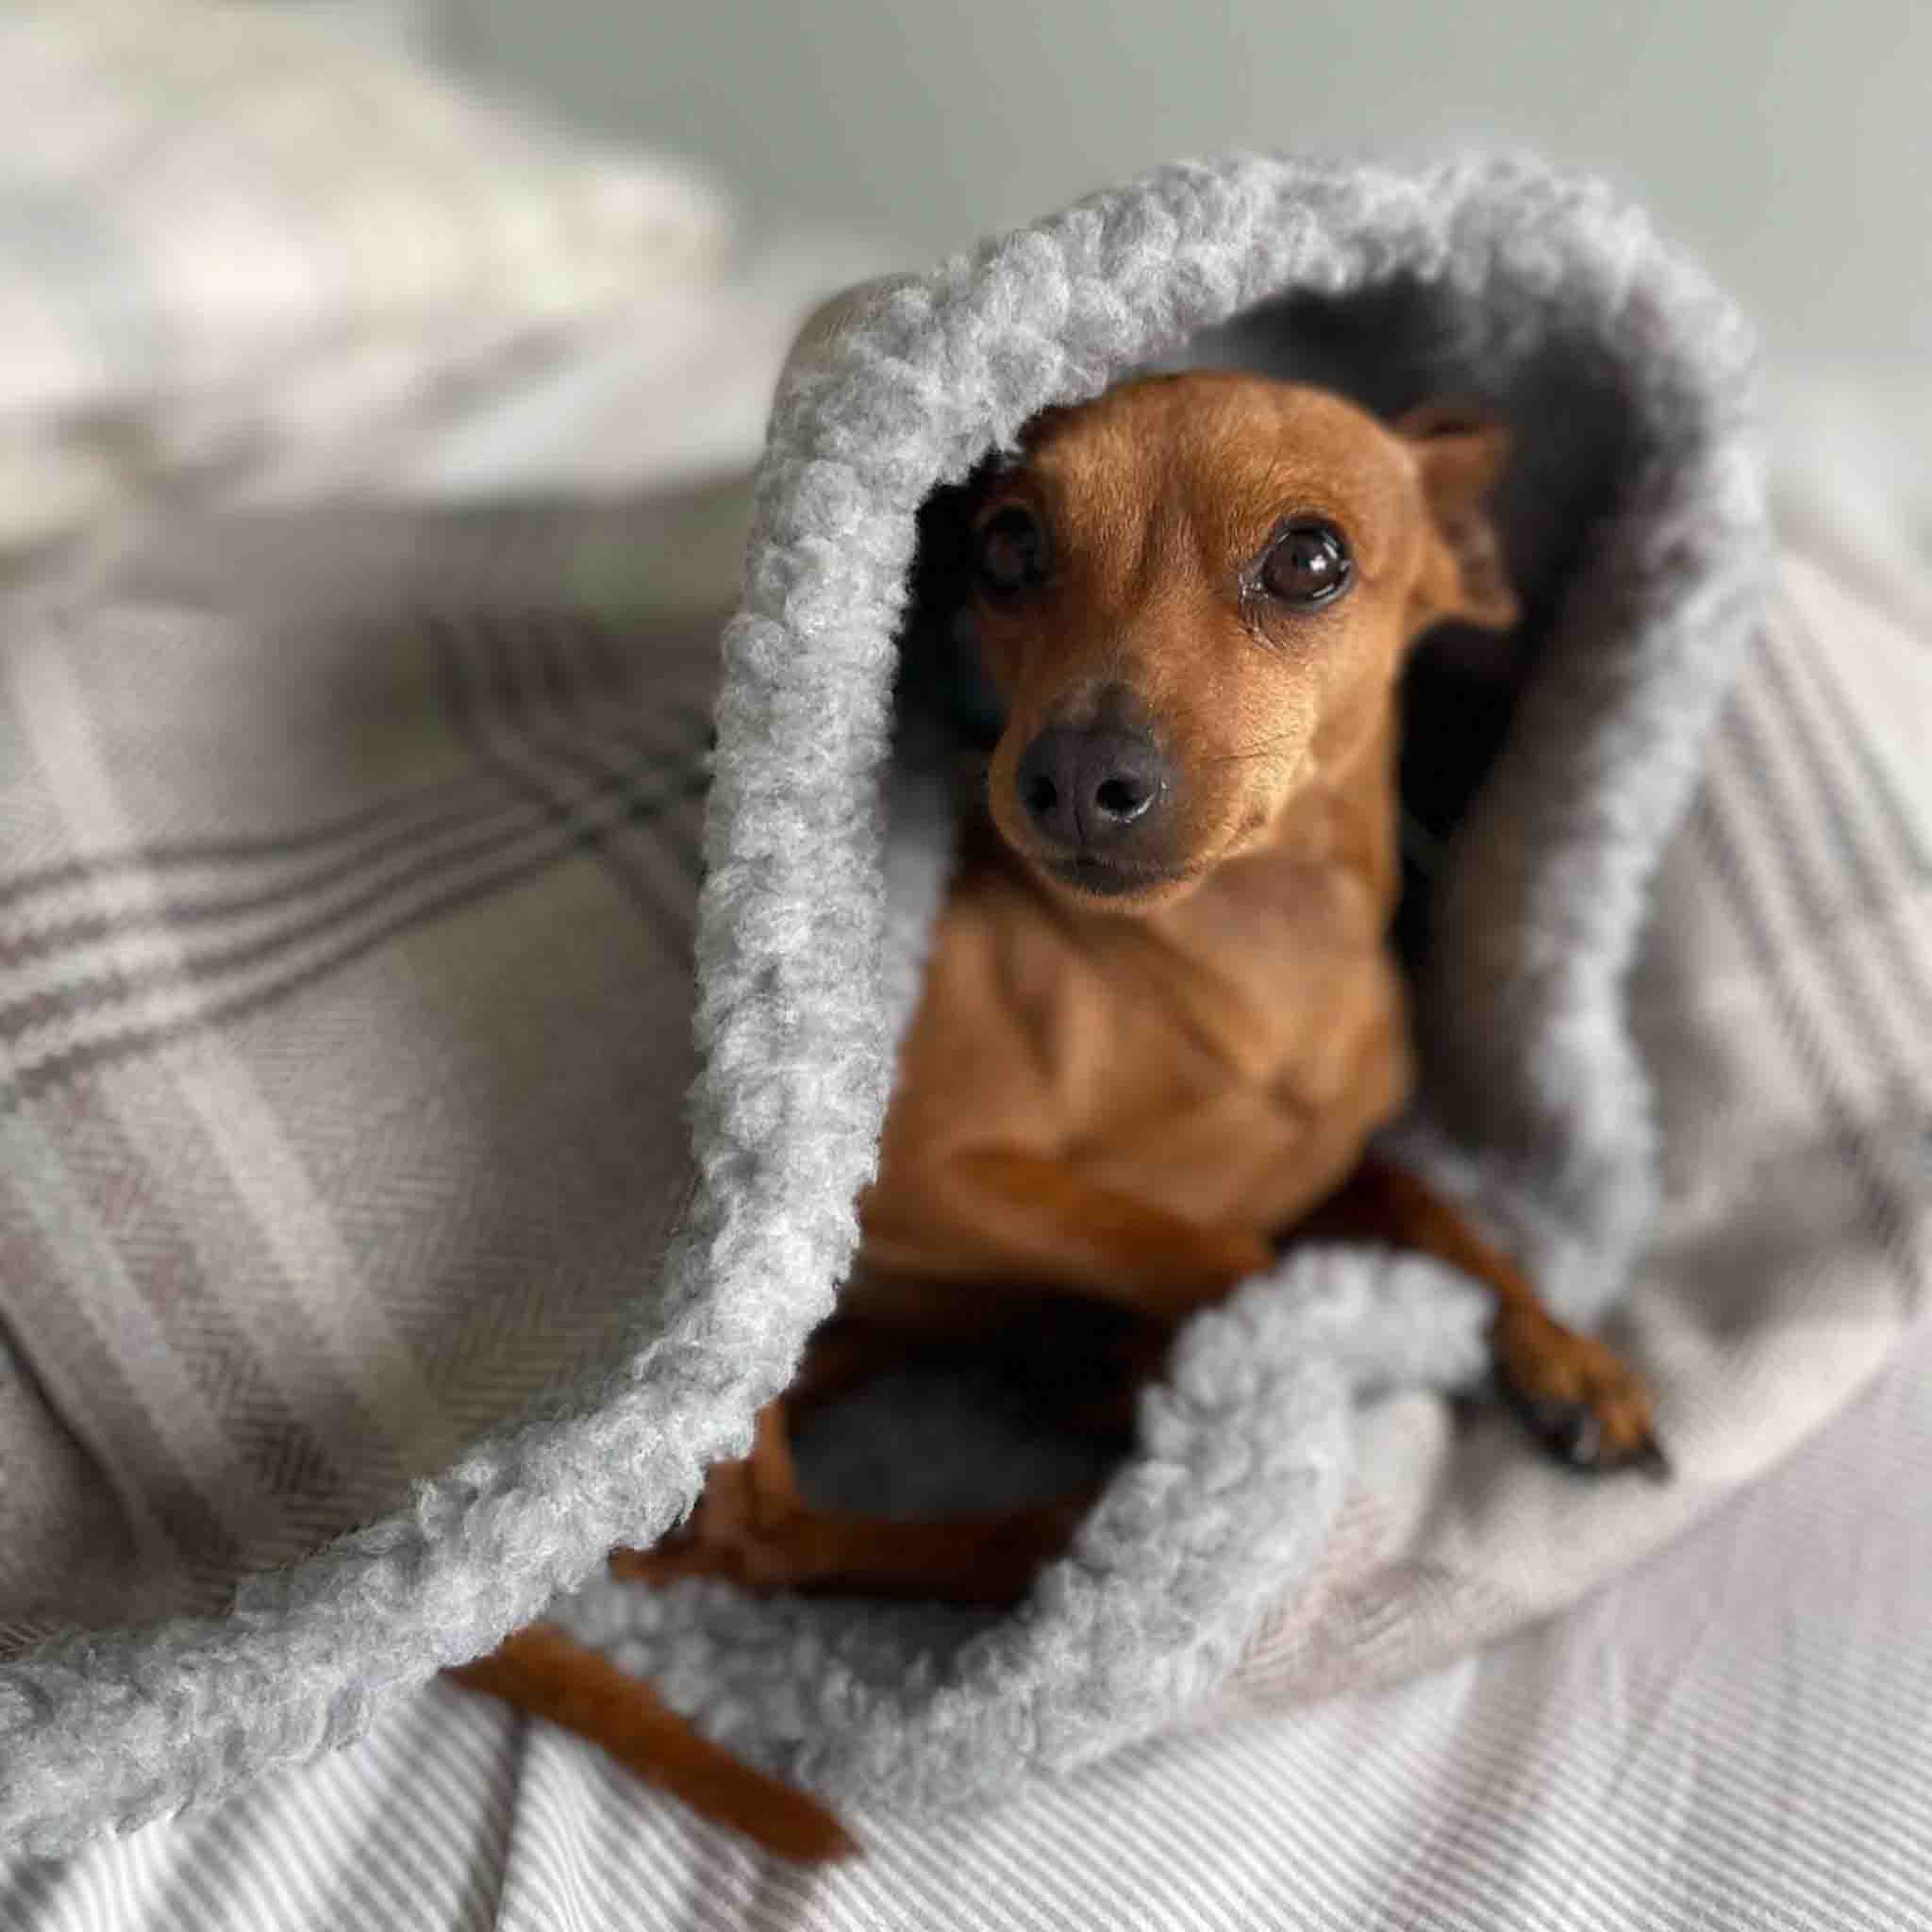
230 234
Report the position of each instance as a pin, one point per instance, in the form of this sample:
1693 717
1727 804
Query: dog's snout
1092 790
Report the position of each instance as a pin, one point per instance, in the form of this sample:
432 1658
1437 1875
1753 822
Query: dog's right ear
1459 454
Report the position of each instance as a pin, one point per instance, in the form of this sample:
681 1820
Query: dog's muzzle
1099 789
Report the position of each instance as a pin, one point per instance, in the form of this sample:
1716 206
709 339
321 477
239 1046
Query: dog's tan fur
1135 1070
1180 1072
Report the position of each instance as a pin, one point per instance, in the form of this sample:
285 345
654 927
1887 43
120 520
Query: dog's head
1194 593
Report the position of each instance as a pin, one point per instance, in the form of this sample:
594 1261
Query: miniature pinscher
1161 1019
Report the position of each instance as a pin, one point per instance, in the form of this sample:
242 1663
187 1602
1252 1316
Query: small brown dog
1161 1019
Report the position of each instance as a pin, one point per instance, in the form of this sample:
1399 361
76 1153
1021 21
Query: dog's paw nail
1581 1442
1567 1429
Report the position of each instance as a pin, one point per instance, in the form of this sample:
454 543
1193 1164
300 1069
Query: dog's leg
753 1527
1574 1394
988 1559
545 1672
1004 1222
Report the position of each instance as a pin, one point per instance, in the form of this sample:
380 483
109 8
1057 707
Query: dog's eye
1010 554
1308 565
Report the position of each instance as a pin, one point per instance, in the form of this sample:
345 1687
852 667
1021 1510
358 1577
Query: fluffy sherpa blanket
382 1238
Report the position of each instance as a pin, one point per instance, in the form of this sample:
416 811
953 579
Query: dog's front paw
1578 1398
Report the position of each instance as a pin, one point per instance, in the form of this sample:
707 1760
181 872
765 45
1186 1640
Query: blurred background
296 244
1789 142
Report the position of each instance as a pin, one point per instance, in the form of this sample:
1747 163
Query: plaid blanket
344 1031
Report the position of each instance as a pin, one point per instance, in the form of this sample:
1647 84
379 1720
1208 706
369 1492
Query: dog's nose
1092 790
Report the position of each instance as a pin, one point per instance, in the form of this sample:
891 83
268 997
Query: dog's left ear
1459 454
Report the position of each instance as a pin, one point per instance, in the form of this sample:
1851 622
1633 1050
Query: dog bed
1247 1550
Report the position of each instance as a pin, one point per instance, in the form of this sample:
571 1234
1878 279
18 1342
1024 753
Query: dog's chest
1262 987
1222 1062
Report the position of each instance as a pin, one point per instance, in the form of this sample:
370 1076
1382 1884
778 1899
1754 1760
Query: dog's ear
1459 454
